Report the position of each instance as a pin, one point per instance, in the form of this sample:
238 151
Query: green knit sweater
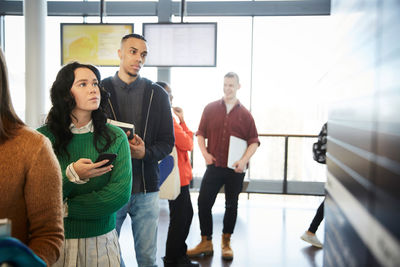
92 206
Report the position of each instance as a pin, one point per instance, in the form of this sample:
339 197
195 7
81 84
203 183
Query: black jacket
157 133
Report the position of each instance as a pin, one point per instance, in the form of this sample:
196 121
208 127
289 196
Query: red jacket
183 144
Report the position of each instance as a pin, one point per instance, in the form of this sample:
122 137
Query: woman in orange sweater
180 209
30 181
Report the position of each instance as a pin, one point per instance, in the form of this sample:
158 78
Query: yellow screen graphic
95 44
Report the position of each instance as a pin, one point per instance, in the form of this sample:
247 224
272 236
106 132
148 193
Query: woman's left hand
85 168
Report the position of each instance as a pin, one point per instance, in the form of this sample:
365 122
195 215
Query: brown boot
205 247
227 252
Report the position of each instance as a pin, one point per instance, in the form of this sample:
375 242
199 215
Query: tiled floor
267 232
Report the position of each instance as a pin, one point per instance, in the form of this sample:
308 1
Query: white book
237 148
124 126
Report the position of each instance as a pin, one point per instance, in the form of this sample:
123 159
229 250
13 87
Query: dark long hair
59 117
9 120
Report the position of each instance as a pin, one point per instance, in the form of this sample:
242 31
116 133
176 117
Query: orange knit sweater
30 193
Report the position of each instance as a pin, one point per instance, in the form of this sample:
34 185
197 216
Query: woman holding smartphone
92 192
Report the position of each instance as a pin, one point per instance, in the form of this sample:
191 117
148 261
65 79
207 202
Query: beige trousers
102 251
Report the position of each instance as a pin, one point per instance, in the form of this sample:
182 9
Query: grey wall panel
387 181
359 138
363 186
390 28
357 159
386 210
341 240
388 147
355 184
387 161
387 193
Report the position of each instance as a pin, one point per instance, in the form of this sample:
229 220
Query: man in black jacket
139 101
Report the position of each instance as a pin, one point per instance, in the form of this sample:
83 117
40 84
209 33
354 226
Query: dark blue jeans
214 178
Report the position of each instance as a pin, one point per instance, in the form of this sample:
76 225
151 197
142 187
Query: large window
279 69
15 55
290 57
280 62
194 88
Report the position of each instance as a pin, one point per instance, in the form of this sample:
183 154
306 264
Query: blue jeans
144 212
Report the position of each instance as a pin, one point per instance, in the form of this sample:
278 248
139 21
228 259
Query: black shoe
181 262
168 263
186 262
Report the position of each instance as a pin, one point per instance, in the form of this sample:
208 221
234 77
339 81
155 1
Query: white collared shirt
88 128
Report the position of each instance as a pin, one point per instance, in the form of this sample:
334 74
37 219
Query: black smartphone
110 156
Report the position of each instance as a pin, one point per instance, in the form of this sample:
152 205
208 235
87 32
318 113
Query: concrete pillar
35 12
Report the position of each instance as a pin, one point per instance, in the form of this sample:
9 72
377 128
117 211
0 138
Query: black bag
319 148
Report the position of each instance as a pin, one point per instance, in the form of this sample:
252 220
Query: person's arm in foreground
43 197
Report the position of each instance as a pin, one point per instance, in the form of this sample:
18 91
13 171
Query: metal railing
285 162
281 186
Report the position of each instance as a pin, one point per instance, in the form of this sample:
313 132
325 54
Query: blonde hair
232 74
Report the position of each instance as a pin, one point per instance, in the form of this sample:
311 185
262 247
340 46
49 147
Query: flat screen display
95 44
181 44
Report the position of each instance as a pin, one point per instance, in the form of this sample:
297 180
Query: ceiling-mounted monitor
181 44
92 43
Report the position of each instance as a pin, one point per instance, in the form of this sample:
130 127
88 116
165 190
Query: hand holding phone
110 156
86 168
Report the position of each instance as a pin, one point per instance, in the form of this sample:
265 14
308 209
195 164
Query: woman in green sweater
92 193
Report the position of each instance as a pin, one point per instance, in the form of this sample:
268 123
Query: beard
131 74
